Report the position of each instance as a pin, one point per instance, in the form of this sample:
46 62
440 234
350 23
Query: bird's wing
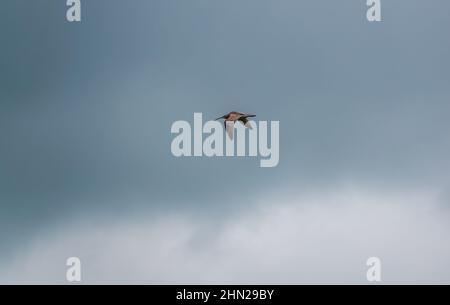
229 126
246 122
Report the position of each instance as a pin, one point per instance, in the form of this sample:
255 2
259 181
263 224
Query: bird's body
232 117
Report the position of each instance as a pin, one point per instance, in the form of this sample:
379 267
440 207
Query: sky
86 168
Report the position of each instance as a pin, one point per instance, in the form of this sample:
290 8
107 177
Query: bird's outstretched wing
229 126
246 122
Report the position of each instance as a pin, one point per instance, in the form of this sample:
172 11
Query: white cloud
324 238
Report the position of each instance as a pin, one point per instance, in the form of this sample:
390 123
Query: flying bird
232 117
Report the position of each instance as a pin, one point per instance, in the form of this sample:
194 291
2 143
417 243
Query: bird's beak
219 118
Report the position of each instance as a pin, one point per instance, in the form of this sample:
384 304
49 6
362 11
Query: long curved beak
220 118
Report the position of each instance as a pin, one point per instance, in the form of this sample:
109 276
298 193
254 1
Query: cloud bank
292 238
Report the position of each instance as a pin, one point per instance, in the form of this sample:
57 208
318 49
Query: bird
232 117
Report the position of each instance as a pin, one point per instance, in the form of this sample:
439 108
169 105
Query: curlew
232 117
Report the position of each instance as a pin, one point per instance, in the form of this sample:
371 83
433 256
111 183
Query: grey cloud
289 238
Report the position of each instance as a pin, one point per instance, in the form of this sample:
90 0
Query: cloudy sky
86 168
